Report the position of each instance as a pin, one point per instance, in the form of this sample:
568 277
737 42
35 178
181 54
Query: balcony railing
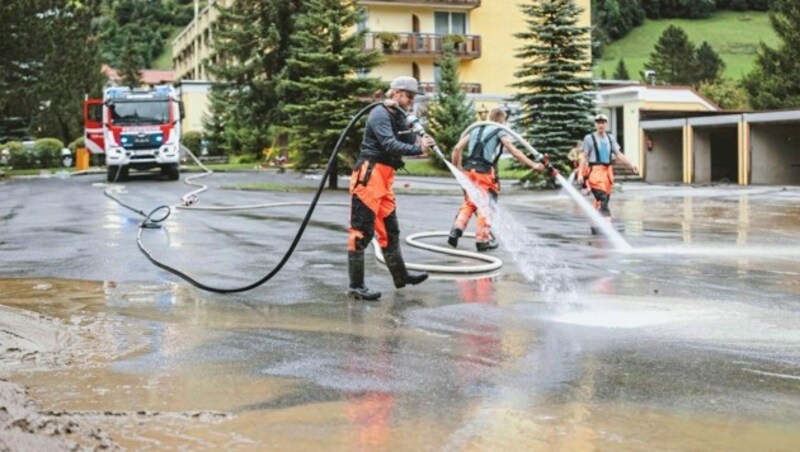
422 44
469 88
452 3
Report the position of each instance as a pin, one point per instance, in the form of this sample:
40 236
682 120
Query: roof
157 77
149 76
654 93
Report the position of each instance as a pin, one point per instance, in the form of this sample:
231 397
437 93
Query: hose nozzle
551 170
415 125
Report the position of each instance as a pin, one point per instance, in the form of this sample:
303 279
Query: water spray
604 226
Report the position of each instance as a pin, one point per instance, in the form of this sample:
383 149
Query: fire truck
135 128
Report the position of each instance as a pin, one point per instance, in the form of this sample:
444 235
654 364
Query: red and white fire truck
139 129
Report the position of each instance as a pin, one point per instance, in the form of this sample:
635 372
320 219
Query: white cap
406 83
601 117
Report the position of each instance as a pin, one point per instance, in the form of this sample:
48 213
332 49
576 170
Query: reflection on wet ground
687 343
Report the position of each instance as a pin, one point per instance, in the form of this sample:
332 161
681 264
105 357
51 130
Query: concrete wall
702 156
194 95
665 161
775 152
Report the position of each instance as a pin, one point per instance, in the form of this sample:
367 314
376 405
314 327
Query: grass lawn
222 167
34 171
734 35
424 167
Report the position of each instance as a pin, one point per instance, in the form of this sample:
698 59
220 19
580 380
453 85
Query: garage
664 154
774 147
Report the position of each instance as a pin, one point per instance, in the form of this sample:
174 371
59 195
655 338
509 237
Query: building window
450 23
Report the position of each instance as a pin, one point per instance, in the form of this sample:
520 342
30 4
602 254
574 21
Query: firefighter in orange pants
600 149
387 138
486 144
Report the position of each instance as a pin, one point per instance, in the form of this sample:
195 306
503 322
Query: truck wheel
171 171
111 173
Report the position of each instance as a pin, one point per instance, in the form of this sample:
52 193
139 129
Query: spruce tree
621 72
709 64
251 45
71 64
556 89
674 58
450 113
130 69
49 63
320 82
775 81
20 43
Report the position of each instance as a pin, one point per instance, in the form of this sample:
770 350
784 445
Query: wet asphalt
688 342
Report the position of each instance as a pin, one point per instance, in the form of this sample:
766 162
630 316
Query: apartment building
191 49
411 34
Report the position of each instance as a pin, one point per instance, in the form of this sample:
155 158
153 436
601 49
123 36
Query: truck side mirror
181 110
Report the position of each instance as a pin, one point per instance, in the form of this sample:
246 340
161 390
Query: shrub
48 152
192 140
21 156
77 143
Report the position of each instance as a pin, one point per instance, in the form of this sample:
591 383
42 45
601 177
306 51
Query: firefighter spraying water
387 138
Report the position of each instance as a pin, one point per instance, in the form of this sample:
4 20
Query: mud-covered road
690 341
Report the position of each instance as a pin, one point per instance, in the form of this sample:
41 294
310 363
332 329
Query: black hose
149 222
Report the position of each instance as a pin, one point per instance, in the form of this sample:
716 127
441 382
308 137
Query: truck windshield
141 112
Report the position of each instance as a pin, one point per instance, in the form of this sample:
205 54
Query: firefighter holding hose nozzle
486 144
387 138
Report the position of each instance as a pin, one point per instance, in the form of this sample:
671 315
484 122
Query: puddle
689 343
157 367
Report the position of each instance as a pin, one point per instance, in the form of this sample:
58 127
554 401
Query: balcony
469 88
422 44
462 4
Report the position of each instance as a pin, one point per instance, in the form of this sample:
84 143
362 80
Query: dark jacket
387 138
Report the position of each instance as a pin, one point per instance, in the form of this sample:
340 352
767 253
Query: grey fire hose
153 220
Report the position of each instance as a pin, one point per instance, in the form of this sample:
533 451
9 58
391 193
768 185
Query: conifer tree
621 72
775 81
674 58
71 64
450 113
49 62
251 45
556 89
321 84
709 64
130 69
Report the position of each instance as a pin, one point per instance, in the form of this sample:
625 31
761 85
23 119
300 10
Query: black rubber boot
455 234
486 246
355 267
397 267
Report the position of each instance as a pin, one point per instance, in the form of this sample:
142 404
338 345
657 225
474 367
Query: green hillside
734 35
164 61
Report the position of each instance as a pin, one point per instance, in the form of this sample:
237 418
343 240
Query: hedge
48 152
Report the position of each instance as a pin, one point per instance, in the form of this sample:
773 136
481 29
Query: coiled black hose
149 222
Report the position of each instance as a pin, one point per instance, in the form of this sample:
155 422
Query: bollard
81 159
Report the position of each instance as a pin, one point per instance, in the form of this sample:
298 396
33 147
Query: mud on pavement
65 333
